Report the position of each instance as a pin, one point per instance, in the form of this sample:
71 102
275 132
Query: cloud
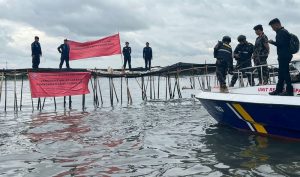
178 30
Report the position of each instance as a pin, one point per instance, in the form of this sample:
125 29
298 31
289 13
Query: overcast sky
177 30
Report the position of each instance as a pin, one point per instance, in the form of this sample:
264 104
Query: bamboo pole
100 92
121 90
150 78
21 99
170 87
54 103
158 81
96 92
39 104
153 87
43 103
64 102
114 89
166 87
1 84
111 93
83 102
15 93
129 98
92 85
5 101
70 102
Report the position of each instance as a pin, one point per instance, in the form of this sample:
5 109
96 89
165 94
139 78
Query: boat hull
263 118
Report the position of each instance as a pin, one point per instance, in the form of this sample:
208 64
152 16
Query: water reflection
244 153
57 126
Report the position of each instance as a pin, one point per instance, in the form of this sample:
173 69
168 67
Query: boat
251 108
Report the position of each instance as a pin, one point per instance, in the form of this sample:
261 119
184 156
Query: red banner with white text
103 47
56 84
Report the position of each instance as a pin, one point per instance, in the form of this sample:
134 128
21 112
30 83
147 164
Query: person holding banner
127 55
64 49
36 52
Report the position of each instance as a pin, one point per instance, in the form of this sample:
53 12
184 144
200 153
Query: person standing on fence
260 55
223 54
127 55
242 54
147 55
36 52
64 49
282 43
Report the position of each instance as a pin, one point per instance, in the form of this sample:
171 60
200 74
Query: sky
177 30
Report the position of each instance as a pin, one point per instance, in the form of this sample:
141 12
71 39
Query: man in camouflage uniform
223 54
242 54
260 54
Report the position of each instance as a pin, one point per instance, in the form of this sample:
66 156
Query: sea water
148 138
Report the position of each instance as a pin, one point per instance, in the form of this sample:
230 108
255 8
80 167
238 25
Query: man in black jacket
127 55
36 52
242 54
223 54
147 55
64 49
284 57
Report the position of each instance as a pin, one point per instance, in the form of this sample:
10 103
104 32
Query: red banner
103 47
55 84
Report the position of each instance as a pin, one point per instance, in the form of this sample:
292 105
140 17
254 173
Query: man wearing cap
36 52
242 54
127 55
260 54
282 43
147 55
64 49
223 54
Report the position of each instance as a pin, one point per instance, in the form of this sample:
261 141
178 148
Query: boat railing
257 71
208 81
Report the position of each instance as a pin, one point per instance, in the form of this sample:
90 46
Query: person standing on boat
242 54
127 55
147 55
36 52
284 57
64 49
223 54
260 54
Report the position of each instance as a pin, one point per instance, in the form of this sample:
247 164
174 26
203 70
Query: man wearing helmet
242 54
223 54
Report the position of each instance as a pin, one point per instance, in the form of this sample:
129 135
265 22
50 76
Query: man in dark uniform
260 54
223 54
147 55
127 55
36 52
284 57
64 49
242 54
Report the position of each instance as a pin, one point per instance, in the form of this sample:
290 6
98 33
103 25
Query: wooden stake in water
21 92
121 90
54 103
5 81
15 93
70 102
83 102
1 84
100 92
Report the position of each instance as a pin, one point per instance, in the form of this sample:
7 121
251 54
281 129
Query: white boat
253 109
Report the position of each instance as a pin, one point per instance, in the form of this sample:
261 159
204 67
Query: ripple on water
156 138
